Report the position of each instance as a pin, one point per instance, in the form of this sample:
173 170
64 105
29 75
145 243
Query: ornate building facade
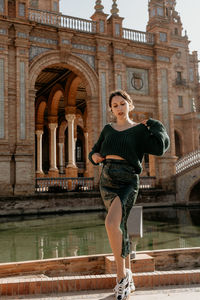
56 73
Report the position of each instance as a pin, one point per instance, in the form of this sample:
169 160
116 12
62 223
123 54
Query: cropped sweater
132 143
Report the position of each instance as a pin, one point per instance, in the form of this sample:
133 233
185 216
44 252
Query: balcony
180 82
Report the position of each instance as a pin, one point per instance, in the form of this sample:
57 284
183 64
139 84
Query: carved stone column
71 170
61 164
53 171
39 171
86 174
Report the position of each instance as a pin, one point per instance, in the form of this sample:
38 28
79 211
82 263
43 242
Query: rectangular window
180 101
153 12
1 6
21 9
34 3
55 6
163 36
179 76
101 26
191 74
160 11
117 29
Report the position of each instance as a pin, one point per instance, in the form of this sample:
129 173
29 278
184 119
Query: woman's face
120 107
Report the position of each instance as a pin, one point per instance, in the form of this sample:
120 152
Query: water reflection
80 234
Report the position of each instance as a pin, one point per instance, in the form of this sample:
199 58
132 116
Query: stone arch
178 142
185 181
71 78
61 133
196 187
79 119
40 109
72 62
73 91
53 102
89 80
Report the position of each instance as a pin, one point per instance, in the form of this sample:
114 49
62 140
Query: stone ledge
33 286
141 263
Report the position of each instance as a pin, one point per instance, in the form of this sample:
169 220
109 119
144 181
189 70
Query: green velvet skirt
118 178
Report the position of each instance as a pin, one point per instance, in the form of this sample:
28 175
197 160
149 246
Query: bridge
187 175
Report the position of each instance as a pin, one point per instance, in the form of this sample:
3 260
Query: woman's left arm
156 139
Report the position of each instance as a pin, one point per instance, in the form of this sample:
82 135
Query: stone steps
141 263
15 286
75 274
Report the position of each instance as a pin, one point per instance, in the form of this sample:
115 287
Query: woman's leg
112 223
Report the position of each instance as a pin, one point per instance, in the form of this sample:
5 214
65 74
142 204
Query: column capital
85 133
53 125
70 117
39 132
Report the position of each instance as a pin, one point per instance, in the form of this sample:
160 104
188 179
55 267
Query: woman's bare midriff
114 157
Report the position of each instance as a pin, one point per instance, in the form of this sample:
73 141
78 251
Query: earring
111 116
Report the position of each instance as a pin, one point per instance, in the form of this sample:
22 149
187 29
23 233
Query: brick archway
185 183
81 72
74 63
178 142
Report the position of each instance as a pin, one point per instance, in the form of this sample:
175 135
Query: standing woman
121 147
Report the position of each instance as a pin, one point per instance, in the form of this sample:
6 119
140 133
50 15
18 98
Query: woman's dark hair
124 95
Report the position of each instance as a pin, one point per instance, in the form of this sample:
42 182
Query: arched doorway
86 85
178 149
64 95
195 193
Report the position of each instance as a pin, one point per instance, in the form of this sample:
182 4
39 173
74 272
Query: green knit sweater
132 143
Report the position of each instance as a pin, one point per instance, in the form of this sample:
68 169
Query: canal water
52 236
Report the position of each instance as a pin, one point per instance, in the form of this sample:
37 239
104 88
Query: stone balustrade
62 184
147 182
59 20
138 36
78 24
188 161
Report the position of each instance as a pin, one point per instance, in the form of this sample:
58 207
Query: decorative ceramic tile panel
90 59
137 81
35 51
138 56
164 92
22 101
119 81
103 98
2 7
1 98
